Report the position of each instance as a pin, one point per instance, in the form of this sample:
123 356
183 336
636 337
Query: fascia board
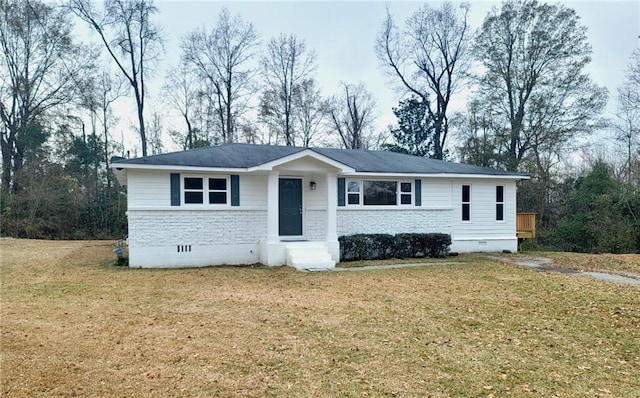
119 166
438 175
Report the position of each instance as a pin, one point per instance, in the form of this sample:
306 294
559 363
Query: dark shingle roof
246 156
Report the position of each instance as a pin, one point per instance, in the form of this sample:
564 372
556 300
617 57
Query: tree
184 92
415 127
42 68
223 57
598 218
286 64
155 135
104 90
132 40
352 115
535 86
477 132
312 111
429 57
627 123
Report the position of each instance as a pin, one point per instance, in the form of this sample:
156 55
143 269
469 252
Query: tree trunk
6 145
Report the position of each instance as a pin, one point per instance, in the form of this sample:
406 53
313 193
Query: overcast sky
343 36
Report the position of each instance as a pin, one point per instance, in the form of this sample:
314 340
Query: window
379 193
466 202
193 192
353 193
215 191
499 203
406 193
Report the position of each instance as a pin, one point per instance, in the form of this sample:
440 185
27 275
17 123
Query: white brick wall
315 224
193 227
380 221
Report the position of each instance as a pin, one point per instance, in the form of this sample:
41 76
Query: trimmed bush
383 246
366 247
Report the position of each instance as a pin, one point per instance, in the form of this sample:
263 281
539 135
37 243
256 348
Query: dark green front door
290 204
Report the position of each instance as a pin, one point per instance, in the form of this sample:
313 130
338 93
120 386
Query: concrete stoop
309 256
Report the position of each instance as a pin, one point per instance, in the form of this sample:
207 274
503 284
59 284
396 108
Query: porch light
312 185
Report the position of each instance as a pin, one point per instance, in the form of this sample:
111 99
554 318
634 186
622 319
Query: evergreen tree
415 132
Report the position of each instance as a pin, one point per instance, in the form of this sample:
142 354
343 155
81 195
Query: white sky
343 36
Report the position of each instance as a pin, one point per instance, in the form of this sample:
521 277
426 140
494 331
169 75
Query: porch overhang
307 153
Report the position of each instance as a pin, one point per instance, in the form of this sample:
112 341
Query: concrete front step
309 256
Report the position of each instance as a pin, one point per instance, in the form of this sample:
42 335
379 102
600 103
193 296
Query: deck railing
526 225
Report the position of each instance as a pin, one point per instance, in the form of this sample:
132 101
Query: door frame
301 179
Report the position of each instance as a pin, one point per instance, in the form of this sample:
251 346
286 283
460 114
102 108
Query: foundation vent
184 248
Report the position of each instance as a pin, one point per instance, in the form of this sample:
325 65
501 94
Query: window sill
397 208
196 208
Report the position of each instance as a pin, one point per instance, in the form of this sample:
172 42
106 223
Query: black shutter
341 183
175 189
235 190
417 191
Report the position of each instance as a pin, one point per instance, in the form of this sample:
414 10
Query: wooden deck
526 225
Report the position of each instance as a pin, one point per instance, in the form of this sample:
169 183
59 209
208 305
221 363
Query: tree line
529 101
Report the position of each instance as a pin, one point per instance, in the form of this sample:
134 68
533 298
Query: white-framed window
499 202
466 202
201 190
406 193
354 190
379 193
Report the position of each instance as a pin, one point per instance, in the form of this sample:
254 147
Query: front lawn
72 324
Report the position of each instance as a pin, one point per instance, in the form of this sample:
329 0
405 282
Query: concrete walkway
538 263
392 266
541 264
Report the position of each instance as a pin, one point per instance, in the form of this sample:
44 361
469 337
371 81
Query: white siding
483 232
152 189
436 193
148 188
253 190
315 200
305 165
483 223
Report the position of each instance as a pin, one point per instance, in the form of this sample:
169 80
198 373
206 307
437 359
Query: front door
290 204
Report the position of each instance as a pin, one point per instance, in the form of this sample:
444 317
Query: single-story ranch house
242 204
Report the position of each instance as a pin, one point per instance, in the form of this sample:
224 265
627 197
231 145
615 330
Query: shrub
366 247
383 246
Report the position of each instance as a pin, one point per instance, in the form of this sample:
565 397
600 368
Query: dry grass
74 325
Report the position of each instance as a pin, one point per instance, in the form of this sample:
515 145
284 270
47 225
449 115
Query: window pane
405 199
193 197
354 186
354 199
405 187
466 189
218 184
499 194
379 193
217 197
193 183
465 212
500 212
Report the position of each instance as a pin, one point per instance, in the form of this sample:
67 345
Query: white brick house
241 204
